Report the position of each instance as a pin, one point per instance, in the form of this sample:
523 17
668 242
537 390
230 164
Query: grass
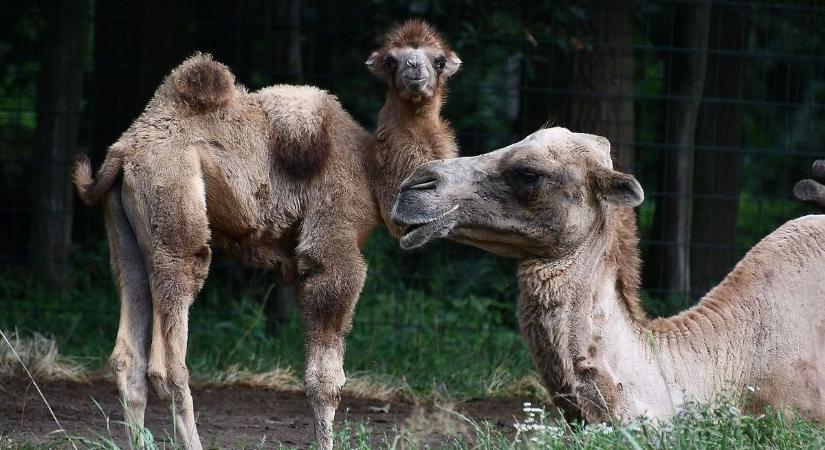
411 333
415 335
719 425
405 342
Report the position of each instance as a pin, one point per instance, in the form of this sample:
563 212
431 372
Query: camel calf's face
414 72
542 196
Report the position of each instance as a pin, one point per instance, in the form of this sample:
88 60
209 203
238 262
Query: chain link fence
717 107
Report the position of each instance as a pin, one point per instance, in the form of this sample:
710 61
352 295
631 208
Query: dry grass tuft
529 386
502 383
364 386
374 387
40 354
276 379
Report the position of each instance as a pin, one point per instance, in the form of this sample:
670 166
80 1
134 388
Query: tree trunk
603 78
716 171
59 90
686 69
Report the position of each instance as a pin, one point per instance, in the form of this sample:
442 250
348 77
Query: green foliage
452 337
717 425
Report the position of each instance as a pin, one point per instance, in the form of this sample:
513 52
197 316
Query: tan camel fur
554 201
284 179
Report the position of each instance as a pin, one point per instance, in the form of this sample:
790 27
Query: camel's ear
453 64
618 188
375 64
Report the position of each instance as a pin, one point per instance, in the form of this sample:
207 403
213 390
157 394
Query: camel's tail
89 189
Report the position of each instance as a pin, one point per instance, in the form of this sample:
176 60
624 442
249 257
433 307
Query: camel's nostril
425 184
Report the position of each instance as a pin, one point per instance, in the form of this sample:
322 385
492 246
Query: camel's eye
440 62
390 63
526 176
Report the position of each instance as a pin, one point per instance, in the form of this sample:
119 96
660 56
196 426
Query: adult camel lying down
554 201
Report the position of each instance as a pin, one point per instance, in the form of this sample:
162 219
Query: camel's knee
324 389
126 364
324 375
157 376
171 384
121 360
129 370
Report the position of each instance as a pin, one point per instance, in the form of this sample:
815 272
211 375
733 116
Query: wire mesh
747 132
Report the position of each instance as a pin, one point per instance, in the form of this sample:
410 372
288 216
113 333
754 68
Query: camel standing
283 178
554 201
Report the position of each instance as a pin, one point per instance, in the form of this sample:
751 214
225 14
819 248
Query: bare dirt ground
233 416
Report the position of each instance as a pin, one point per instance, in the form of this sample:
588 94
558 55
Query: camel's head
542 196
414 60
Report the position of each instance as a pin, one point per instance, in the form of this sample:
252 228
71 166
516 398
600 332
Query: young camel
553 201
283 178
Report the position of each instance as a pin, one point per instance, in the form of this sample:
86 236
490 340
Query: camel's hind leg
329 258
128 360
170 217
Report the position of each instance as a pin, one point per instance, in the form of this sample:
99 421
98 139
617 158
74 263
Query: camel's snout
418 197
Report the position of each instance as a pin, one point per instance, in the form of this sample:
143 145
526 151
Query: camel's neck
408 134
591 343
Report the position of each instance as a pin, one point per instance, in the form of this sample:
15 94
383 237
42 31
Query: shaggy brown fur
409 129
202 84
283 178
554 201
414 33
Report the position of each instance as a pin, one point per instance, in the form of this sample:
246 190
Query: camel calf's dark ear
618 188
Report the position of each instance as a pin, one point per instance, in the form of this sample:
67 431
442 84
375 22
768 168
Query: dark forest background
717 107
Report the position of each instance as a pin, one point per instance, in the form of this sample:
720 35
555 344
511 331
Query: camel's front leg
335 275
173 291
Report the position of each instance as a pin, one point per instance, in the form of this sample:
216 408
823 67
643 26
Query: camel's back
784 264
267 158
777 295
